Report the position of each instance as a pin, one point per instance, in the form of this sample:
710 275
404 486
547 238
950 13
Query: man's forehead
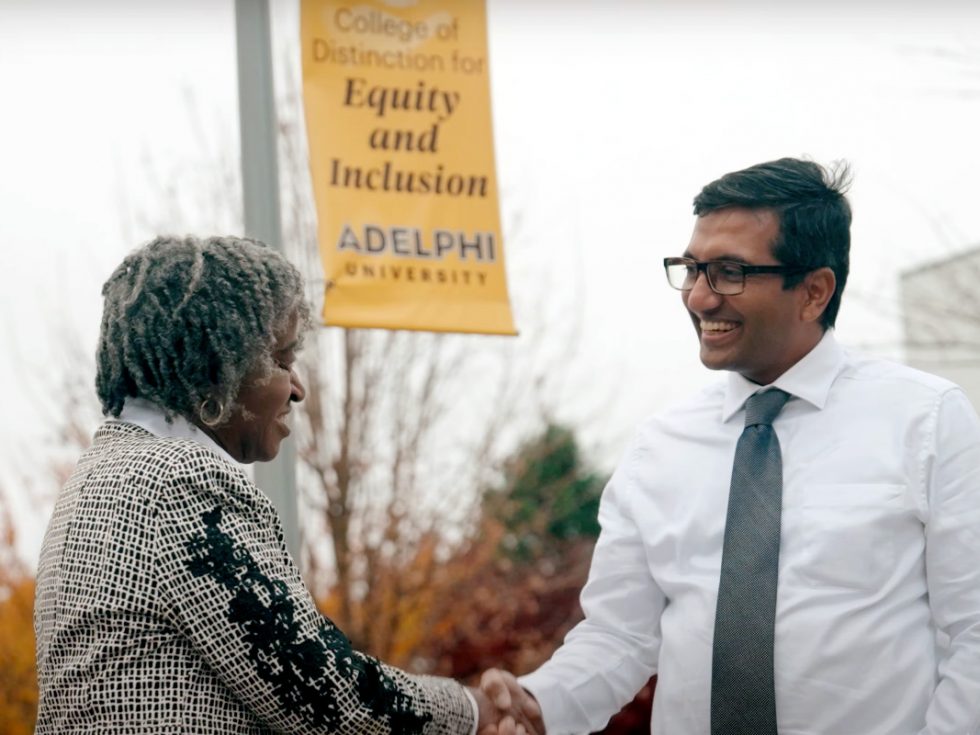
734 233
734 214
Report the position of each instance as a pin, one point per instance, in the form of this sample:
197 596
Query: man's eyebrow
724 256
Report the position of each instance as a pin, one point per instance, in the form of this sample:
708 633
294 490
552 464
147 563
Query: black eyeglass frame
746 269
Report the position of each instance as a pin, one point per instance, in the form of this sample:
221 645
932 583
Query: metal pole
260 182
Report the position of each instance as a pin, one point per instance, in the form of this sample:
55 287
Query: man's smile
716 325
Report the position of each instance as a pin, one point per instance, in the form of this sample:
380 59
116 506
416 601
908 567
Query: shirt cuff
556 713
476 709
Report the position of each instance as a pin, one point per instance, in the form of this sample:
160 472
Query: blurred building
941 318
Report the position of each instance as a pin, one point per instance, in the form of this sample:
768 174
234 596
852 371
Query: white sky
609 117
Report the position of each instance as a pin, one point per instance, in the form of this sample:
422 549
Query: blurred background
449 484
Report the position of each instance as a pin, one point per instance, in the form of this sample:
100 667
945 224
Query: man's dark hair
814 215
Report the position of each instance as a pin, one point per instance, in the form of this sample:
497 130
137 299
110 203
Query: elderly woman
166 599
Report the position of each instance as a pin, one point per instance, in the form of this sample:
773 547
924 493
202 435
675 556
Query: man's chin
714 360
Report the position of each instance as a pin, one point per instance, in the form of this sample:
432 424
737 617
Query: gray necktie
743 697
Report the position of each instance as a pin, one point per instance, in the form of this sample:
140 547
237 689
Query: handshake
505 707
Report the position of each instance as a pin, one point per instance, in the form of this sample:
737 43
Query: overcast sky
609 117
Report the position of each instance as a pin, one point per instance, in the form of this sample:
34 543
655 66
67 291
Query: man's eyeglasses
725 277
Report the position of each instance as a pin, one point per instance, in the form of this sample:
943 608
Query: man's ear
818 288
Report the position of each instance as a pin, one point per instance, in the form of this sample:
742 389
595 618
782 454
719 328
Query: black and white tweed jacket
167 603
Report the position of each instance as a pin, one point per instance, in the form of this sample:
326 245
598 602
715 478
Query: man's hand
505 707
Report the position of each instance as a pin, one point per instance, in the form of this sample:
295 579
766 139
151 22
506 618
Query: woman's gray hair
185 320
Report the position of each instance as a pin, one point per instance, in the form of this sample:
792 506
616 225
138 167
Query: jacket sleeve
232 589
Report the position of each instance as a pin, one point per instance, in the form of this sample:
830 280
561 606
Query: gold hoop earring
210 412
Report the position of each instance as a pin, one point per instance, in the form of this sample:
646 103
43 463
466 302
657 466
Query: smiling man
758 332
794 549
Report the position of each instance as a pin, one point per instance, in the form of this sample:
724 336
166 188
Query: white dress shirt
878 609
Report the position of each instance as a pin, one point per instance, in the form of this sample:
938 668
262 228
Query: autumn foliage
518 605
18 685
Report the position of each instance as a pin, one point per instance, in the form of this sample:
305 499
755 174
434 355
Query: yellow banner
397 99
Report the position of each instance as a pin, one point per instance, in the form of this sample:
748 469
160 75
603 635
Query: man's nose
701 298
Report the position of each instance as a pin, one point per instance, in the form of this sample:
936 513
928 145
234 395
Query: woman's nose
298 389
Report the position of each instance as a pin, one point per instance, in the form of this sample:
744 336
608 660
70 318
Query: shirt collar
148 415
809 379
